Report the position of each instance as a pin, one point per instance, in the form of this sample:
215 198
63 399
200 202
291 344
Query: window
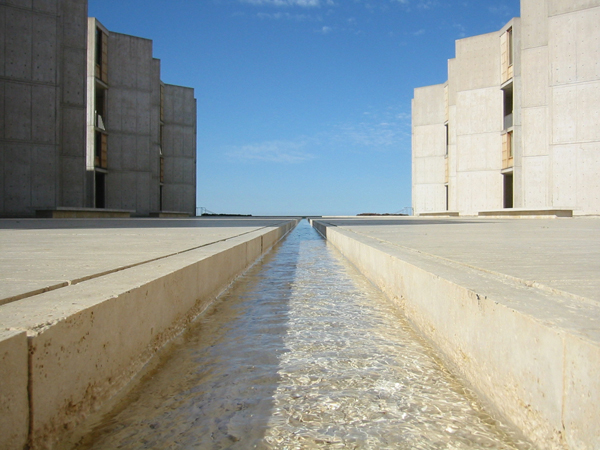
447 138
507 92
101 55
508 190
509 38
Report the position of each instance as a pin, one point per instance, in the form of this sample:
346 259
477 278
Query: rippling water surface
301 353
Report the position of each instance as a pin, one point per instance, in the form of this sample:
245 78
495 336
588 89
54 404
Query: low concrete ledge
86 342
170 214
520 213
439 214
82 213
533 355
14 402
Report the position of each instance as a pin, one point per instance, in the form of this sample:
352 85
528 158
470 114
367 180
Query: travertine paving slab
37 255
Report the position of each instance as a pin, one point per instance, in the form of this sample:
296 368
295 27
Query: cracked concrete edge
532 356
84 343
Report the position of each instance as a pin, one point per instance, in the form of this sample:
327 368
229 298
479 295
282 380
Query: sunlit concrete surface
41 255
91 302
512 304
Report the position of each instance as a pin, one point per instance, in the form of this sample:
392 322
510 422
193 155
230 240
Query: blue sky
303 105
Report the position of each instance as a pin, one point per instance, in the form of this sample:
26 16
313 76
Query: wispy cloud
283 16
286 152
377 131
303 3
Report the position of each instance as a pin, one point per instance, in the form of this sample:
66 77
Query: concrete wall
87 341
179 149
14 401
478 123
429 149
42 105
131 160
556 93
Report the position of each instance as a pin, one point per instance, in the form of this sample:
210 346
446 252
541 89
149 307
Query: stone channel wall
531 357
65 353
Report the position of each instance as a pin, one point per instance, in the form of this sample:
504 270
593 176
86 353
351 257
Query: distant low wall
532 356
65 353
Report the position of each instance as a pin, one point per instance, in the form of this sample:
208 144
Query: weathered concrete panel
18 103
429 140
534 31
588 111
46 6
43 177
588 45
429 197
563 50
564 176
128 149
14 404
536 182
73 77
17 177
556 7
588 181
535 131
44 48
74 30
428 105
477 62
72 179
480 191
3 32
18 40
564 114
429 170
479 152
480 111
142 152
534 78
143 116
43 114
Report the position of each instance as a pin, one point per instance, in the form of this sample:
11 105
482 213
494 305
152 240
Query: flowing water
301 353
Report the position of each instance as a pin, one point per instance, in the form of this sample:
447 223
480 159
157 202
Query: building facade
516 124
86 119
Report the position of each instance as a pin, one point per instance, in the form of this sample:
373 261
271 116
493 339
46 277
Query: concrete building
86 115
516 123
42 105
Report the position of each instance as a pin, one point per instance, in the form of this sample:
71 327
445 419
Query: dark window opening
100 190
446 186
447 138
100 108
508 106
509 36
508 190
99 47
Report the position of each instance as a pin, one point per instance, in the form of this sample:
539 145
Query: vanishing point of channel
301 353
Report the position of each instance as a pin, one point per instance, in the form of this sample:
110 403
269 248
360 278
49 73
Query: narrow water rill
302 352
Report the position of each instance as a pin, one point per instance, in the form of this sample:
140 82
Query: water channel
301 353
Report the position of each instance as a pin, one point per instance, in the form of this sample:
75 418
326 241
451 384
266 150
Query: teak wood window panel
101 55
506 55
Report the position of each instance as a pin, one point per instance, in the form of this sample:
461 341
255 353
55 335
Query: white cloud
326 30
303 3
286 152
286 16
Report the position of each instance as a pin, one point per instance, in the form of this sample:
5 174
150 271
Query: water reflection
301 353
